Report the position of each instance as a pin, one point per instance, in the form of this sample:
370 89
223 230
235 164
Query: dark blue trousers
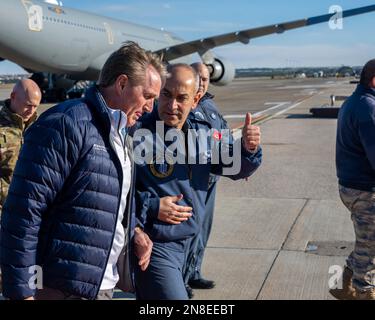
197 245
163 278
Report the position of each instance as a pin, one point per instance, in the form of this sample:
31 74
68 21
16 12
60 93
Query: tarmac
278 235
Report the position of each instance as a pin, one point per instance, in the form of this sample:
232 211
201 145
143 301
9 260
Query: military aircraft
61 46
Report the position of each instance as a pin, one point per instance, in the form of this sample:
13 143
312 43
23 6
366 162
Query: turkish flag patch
217 136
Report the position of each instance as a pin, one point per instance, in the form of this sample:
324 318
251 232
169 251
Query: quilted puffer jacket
63 202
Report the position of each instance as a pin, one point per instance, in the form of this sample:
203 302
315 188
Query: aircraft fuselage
47 38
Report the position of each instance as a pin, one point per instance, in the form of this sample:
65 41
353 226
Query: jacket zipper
117 212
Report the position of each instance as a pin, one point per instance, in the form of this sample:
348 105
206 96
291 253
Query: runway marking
307 86
237 132
241 116
278 105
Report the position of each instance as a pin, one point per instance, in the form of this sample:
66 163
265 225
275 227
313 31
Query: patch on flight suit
199 115
213 116
217 135
163 170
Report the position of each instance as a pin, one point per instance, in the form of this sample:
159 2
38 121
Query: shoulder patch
213 116
199 115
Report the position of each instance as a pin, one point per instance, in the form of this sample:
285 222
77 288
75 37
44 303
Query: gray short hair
133 61
170 67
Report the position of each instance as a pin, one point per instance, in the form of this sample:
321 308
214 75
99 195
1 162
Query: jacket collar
98 105
207 96
361 89
14 118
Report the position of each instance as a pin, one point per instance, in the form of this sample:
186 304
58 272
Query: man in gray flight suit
188 179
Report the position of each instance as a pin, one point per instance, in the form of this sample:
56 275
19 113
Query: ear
197 98
373 82
121 82
12 95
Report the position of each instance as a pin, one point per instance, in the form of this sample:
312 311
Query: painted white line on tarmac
242 116
237 134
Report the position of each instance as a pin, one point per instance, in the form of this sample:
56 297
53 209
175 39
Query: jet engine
222 71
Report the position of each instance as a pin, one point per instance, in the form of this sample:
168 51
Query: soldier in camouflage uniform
16 114
355 162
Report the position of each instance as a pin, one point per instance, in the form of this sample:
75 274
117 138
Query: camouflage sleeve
10 142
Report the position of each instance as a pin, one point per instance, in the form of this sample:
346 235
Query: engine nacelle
222 72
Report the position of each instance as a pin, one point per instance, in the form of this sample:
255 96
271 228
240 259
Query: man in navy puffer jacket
68 215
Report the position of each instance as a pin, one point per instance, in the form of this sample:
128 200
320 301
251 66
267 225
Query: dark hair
132 61
368 73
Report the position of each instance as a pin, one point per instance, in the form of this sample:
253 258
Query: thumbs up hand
250 135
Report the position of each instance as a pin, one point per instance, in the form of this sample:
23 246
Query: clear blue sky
192 19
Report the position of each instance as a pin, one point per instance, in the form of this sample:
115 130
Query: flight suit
206 111
163 279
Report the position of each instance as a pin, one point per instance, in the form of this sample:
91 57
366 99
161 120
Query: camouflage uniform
12 128
362 260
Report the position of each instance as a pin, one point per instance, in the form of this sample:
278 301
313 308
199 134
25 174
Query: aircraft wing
203 45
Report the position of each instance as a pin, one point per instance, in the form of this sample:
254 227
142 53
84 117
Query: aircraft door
110 35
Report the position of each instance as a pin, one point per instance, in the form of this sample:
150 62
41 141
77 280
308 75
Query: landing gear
54 95
56 88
